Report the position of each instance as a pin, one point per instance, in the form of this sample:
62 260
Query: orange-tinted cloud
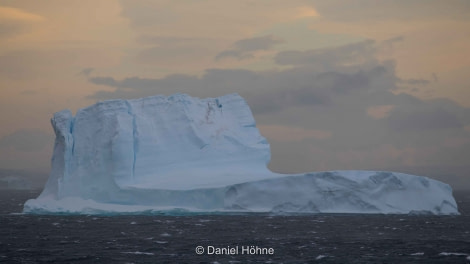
16 14
307 11
379 111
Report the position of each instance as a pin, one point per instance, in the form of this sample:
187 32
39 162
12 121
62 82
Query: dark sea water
173 239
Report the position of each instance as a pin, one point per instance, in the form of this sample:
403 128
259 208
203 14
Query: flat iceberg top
162 153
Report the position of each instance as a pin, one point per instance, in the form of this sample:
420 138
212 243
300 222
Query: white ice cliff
183 154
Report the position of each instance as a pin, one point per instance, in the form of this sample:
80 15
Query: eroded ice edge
181 154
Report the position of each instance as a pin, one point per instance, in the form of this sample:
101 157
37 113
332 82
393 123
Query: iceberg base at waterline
180 154
367 192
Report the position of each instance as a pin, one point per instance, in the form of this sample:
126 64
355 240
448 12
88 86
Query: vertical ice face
179 132
176 142
62 122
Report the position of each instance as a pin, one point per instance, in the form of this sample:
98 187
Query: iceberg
181 154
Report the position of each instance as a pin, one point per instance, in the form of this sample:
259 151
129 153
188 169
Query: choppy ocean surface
254 238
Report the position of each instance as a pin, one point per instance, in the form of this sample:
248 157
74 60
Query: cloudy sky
363 84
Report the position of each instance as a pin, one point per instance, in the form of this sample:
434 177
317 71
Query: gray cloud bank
346 91
244 49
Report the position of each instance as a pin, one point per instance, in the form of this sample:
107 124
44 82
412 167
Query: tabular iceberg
183 154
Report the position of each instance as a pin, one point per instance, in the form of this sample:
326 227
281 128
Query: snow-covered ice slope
172 153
